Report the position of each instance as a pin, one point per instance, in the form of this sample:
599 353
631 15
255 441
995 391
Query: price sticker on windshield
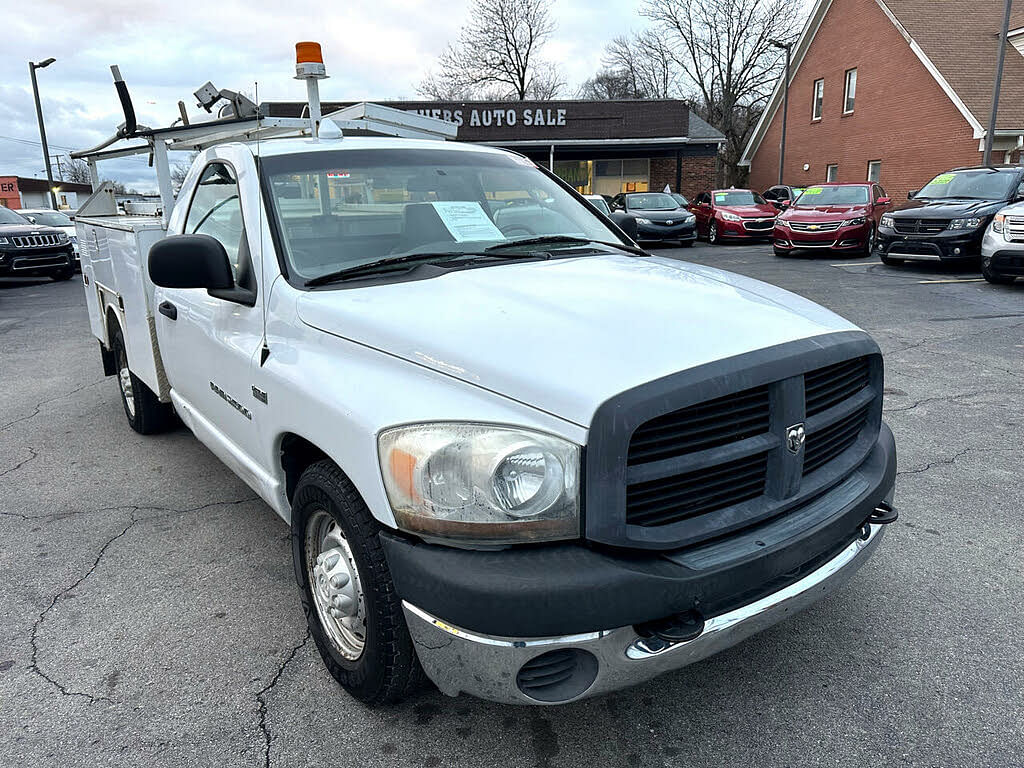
812 191
721 197
942 178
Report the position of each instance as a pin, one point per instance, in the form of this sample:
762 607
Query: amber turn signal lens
308 52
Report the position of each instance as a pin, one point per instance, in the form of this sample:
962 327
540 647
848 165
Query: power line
29 142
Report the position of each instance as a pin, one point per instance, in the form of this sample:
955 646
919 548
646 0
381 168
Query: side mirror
883 201
912 193
190 261
784 204
626 223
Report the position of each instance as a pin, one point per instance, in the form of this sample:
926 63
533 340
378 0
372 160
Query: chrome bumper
460 661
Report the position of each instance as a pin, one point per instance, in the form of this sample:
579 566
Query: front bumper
841 239
29 263
491 667
657 232
747 229
949 245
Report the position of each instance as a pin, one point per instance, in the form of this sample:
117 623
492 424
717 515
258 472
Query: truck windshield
970 185
8 216
340 209
814 196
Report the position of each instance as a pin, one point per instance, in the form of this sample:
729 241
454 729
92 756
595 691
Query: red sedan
832 217
733 214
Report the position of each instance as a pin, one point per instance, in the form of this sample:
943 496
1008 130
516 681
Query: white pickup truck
516 452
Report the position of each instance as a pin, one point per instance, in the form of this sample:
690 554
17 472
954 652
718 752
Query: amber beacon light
309 66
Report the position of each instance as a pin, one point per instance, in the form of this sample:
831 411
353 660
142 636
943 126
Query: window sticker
812 191
338 175
467 221
721 197
942 178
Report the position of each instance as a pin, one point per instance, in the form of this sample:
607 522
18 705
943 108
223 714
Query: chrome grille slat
35 241
824 226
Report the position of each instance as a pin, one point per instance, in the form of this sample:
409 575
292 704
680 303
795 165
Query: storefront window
612 177
576 173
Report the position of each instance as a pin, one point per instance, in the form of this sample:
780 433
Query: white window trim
828 169
815 115
846 90
879 164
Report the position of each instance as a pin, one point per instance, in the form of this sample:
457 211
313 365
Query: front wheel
713 233
64 273
993 277
869 245
353 613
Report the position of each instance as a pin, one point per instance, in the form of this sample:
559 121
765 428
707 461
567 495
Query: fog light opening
558 676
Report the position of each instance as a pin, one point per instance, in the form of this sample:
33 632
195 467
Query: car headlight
854 222
886 221
62 237
966 223
481 483
642 220
997 222
690 219
730 216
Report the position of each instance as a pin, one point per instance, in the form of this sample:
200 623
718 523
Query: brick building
892 90
602 147
20 192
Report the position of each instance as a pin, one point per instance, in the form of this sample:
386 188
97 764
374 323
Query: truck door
210 339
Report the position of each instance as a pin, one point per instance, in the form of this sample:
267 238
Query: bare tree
646 59
75 170
179 170
497 54
723 50
609 84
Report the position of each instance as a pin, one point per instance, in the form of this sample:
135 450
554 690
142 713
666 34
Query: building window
850 91
819 98
612 177
875 171
831 172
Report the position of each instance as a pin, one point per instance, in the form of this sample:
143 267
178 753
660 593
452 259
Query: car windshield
51 219
824 195
600 203
7 216
680 200
339 209
972 185
651 201
738 197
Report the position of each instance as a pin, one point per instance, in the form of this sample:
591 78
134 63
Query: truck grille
822 226
920 226
1014 228
716 454
35 241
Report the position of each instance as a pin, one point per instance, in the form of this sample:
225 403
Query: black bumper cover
570 588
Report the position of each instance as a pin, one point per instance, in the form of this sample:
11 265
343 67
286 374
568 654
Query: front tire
713 234
869 245
353 613
143 409
64 273
994 277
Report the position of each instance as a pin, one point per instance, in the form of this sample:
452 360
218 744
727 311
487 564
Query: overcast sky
166 50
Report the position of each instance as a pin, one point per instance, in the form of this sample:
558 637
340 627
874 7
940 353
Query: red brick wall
902 117
698 174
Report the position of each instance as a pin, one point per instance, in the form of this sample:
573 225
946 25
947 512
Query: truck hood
565 335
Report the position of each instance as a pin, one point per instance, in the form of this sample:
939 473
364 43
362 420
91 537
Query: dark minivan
946 219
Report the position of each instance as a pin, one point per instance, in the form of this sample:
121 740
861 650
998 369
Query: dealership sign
498 117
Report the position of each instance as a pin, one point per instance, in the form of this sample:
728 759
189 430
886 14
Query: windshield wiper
381 265
569 239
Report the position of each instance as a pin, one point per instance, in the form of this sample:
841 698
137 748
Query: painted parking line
953 280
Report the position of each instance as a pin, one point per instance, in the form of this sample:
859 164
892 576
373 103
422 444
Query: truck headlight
642 220
966 223
997 222
730 216
481 483
886 221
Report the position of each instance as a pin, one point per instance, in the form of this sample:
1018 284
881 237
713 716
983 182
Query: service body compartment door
209 343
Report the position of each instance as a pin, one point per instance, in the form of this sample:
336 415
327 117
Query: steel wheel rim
713 233
334 583
124 381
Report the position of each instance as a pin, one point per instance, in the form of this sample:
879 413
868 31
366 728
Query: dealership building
20 192
599 147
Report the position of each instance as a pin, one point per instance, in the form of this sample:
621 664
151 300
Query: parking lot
149 615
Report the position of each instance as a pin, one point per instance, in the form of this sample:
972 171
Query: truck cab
516 452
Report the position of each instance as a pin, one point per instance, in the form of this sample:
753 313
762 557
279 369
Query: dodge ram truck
516 452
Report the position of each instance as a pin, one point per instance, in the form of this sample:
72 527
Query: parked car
600 203
733 214
782 195
1002 248
48 217
832 217
31 250
658 216
947 218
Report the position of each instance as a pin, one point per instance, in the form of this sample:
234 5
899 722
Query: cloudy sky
166 50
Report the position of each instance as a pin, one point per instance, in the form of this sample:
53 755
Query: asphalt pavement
149 617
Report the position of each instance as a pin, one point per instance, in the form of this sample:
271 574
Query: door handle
168 309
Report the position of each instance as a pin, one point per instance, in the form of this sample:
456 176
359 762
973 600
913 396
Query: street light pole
990 134
32 67
787 47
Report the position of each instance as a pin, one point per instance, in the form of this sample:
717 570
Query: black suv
30 251
947 218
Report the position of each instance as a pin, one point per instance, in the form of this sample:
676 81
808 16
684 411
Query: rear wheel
890 261
145 413
353 613
993 277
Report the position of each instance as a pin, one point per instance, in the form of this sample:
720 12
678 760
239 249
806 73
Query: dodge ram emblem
795 437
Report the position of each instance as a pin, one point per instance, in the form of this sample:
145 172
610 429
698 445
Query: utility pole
787 47
990 133
32 67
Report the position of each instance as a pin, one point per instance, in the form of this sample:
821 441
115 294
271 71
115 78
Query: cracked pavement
150 615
